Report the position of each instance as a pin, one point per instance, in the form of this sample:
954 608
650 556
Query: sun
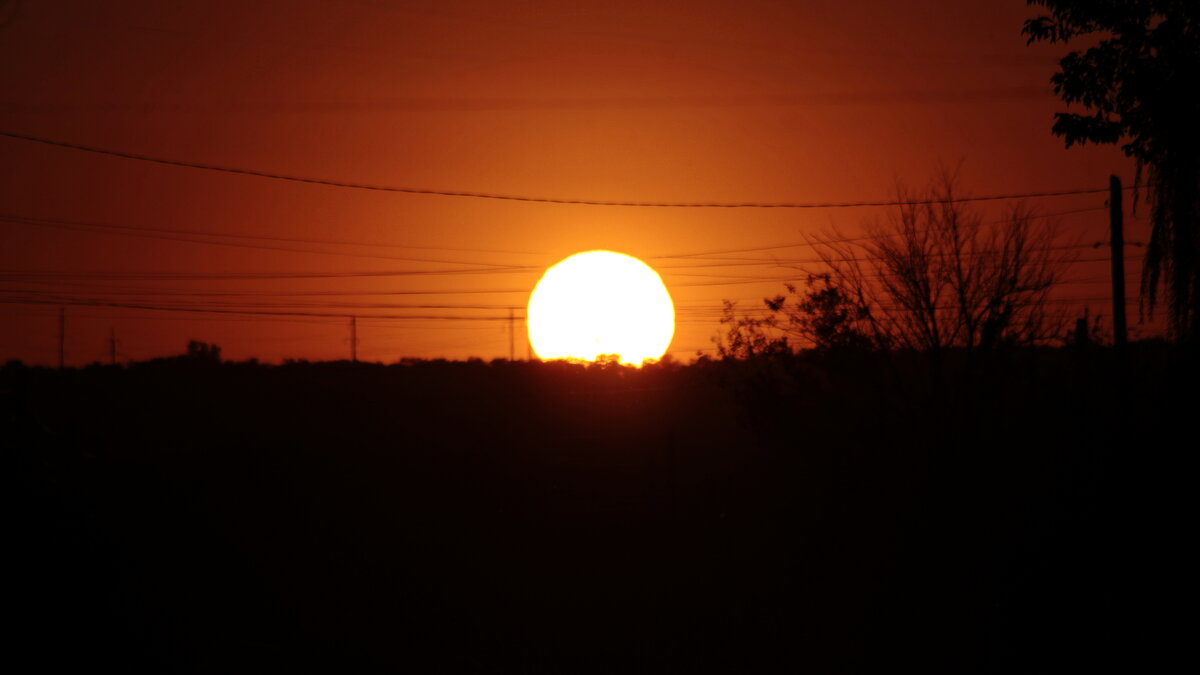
601 303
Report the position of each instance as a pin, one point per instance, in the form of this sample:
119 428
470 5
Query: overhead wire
96 303
243 276
127 290
201 276
175 234
32 220
534 199
727 280
841 240
477 266
126 232
275 304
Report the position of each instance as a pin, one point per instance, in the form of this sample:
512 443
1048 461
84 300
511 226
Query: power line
841 240
147 233
31 220
766 280
695 316
787 262
102 315
248 276
479 267
54 278
526 198
700 261
126 290
129 290
182 235
213 310
273 305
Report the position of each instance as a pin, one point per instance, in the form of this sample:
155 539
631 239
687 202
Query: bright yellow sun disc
601 303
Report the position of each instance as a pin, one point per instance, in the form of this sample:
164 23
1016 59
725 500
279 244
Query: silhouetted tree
747 336
1138 82
202 351
825 315
934 276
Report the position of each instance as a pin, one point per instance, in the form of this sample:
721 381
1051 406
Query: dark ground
828 515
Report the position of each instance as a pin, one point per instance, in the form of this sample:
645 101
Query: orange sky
687 101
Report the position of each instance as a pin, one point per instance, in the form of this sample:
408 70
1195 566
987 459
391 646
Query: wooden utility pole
511 345
1116 220
354 339
112 346
62 337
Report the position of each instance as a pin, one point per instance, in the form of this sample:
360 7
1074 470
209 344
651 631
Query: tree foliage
748 336
826 315
1137 84
936 276
203 351
932 277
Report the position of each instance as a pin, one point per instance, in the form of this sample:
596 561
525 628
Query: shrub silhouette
203 351
933 277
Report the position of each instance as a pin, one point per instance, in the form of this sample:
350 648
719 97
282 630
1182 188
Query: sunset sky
608 101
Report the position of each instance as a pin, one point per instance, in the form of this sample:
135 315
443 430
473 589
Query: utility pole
511 344
62 337
1116 219
354 339
112 346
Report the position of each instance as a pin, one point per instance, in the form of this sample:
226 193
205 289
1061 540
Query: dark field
817 514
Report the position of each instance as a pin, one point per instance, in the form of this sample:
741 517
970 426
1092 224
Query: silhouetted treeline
826 513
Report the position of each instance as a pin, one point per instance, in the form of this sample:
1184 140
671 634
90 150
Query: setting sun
598 303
